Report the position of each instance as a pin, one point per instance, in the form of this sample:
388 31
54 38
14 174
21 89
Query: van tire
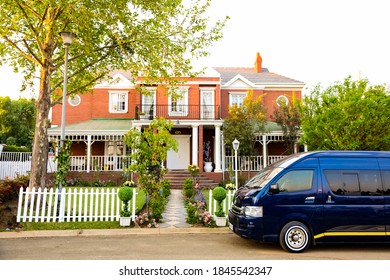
294 237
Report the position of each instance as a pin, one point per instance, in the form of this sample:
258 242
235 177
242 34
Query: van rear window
354 182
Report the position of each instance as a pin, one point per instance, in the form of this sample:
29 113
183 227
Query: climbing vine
63 163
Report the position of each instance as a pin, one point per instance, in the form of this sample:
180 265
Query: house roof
96 127
258 78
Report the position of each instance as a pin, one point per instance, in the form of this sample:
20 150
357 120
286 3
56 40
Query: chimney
258 63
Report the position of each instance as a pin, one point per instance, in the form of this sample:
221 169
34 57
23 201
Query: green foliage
17 149
157 206
125 194
63 163
244 122
352 115
9 189
194 170
219 194
166 188
188 188
152 146
17 121
197 214
288 116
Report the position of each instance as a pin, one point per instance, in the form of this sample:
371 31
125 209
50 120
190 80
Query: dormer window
118 102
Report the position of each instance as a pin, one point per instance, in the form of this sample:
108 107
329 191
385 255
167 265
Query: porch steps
177 177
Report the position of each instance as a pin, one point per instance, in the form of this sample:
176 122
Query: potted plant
208 167
125 194
219 194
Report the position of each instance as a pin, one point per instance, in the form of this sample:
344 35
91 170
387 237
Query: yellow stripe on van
352 233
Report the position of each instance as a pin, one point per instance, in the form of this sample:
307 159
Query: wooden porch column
89 153
195 145
200 149
217 148
265 156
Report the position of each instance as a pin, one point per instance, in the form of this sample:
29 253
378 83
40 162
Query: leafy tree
352 115
154 39
244 122
17 121
288 116
149 151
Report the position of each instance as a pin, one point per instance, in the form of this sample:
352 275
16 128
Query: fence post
133 206
210 201
20 204
62 205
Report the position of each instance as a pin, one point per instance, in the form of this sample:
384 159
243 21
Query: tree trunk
40 147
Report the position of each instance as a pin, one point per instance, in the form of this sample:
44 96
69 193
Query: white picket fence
71 205
226 204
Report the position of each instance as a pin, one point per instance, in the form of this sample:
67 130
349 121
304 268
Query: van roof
347 154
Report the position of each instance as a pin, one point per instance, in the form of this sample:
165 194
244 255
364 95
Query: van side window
296 180
386 182
354 182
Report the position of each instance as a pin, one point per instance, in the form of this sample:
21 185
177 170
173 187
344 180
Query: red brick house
96 123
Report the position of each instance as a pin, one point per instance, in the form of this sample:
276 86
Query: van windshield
262 178
265 175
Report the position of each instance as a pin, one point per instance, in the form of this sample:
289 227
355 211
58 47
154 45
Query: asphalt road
177 246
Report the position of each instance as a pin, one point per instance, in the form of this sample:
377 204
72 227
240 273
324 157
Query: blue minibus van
313 197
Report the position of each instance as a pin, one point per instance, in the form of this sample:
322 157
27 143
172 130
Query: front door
181 158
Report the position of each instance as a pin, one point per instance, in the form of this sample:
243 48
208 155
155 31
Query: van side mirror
274 189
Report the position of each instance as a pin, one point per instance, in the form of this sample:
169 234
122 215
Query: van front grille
237 210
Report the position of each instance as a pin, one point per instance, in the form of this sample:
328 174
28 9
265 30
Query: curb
112 232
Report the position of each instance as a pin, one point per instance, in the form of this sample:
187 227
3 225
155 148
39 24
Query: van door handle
310 199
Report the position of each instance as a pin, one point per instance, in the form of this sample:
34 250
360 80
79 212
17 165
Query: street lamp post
236 144
67 38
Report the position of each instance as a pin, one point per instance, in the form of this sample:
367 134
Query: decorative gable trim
117 81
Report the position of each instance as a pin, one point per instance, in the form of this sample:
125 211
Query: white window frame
279 98
207 109
146 105
74 101
111 108
236 98
181 103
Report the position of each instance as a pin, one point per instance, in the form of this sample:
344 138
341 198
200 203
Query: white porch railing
76 205
226 204
245 163
13 165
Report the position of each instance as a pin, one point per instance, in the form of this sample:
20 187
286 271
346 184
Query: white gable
239 82
117 81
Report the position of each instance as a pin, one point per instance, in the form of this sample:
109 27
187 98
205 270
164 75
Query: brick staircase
177 177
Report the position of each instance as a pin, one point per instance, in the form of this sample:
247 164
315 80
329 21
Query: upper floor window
236 98
118 101
178 102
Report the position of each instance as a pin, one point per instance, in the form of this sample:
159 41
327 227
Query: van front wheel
294 237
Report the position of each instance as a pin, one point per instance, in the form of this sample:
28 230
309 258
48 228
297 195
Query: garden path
175 214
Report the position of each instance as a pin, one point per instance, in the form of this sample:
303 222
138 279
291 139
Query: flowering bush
230 186
206 219
130 184
197 213
144 220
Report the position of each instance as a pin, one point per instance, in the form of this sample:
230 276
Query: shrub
219 194
157 206
9 189
166 188
125 194
188 188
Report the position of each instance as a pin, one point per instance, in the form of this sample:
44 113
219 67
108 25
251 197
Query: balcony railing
190 112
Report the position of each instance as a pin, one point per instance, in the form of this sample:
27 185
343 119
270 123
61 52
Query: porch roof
99 129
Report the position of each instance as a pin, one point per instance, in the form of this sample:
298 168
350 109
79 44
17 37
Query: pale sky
310 41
